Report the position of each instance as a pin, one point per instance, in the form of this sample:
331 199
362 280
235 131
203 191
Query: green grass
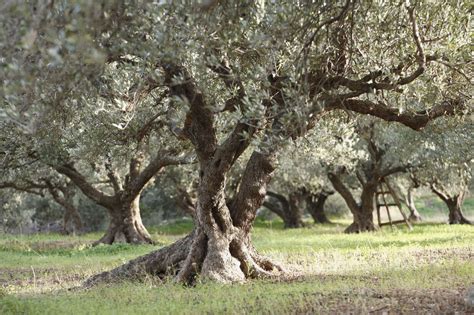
427 269
434 209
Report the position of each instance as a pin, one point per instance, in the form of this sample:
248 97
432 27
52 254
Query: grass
427 269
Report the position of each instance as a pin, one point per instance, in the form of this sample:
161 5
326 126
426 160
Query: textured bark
315 206
126 225
220 247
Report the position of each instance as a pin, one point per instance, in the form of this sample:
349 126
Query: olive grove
223 82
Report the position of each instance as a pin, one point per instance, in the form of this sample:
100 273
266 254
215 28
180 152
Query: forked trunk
219 248
454 203
456 215
315 206
363 218
126 225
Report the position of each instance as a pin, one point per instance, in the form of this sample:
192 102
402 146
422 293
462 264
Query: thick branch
199 124
417 120
252 189
155 165
81 182
112 175
344 192
438 191
28 189
393 170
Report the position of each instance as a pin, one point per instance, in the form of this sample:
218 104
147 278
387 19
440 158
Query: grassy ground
425 270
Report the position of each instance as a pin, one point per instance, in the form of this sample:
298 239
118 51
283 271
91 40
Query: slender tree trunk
410 203
125 224
315 206
220 247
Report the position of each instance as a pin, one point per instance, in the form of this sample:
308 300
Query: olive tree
248 76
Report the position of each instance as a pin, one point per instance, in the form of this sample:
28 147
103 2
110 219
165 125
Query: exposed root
195 254
162 262
461 220
194 259
125 233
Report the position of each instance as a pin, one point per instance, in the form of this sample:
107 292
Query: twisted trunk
363 220
125 224
219 247
315 206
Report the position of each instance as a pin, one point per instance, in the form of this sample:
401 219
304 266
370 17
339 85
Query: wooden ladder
387 190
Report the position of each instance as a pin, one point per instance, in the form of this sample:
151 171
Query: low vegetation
428 269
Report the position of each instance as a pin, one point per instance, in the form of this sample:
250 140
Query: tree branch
417 120
343 191
159 162
199 124
28 189
81 182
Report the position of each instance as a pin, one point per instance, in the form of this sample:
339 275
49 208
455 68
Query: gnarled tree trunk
315 206
125 224
72 222
363 219
220 246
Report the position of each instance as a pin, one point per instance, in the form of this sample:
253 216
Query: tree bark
72 222
125 224
456 215
410 203
315 206
363 220
220 247
453 202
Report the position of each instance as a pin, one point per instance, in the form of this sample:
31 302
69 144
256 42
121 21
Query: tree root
191 256
132 234
360 227
161 263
